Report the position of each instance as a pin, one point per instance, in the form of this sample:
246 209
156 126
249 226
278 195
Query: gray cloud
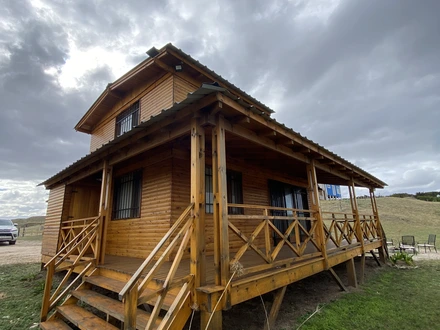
361 78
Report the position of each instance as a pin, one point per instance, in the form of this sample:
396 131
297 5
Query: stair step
83 319
54 324
116 286
111 306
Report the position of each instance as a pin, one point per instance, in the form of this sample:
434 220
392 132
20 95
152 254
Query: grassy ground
399 216
21 288
393 299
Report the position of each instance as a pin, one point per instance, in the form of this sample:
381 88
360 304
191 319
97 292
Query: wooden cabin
192 199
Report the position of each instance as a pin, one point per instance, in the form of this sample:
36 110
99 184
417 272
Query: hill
37 220
399 216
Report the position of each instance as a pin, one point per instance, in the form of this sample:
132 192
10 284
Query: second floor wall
152 97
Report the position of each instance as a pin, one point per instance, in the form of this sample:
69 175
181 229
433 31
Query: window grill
127 196
127 119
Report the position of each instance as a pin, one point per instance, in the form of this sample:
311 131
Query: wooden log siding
138 237
154 97
182 88
159 98
53 220
103 134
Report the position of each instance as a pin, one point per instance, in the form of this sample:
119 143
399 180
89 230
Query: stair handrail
50 300
63 250
136 276
131 294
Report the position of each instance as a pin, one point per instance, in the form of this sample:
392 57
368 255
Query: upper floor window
127 196
127 119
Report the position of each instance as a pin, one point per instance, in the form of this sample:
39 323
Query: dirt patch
302 297
21 252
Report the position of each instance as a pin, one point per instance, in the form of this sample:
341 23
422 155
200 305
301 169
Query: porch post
359 232
104 204
316 208
198 198
378 225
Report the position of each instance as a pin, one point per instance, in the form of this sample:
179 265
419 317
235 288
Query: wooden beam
375 258
351 272
383 251
278 299
104 211
337 279
288 134
263 141
197 265
362 275
316 207
221 203
150 143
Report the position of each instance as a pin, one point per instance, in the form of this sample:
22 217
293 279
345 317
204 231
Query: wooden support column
355 211
104 211
382 249
198 266
278 299
220 218
351 272
316 207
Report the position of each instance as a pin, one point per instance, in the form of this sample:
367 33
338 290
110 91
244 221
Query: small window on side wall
127 196
127 119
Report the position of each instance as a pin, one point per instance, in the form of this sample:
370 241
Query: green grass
399 216
392 299
21 288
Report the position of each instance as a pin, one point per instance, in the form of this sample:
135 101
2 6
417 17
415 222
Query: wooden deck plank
111 306
116 286
83 319
54 324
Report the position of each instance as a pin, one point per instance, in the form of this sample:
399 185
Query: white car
8 232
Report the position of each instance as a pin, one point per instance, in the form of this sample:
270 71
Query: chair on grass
390 246
408 243
430 244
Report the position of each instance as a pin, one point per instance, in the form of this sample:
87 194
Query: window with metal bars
127 196
235 191
127 119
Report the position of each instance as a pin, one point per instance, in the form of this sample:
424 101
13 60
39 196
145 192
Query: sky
361 78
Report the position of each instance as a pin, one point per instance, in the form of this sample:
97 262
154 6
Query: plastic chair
408 243
430 244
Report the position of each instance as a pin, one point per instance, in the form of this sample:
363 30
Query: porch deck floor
129 265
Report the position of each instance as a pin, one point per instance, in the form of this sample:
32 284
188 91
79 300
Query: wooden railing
370 227
78 237
133 294
341 229
256 228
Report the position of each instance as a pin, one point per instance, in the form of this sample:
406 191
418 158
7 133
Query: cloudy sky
359 77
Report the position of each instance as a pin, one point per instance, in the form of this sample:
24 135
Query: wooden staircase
95 305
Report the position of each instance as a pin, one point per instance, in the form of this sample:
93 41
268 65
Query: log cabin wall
154 95
54 215
137 237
